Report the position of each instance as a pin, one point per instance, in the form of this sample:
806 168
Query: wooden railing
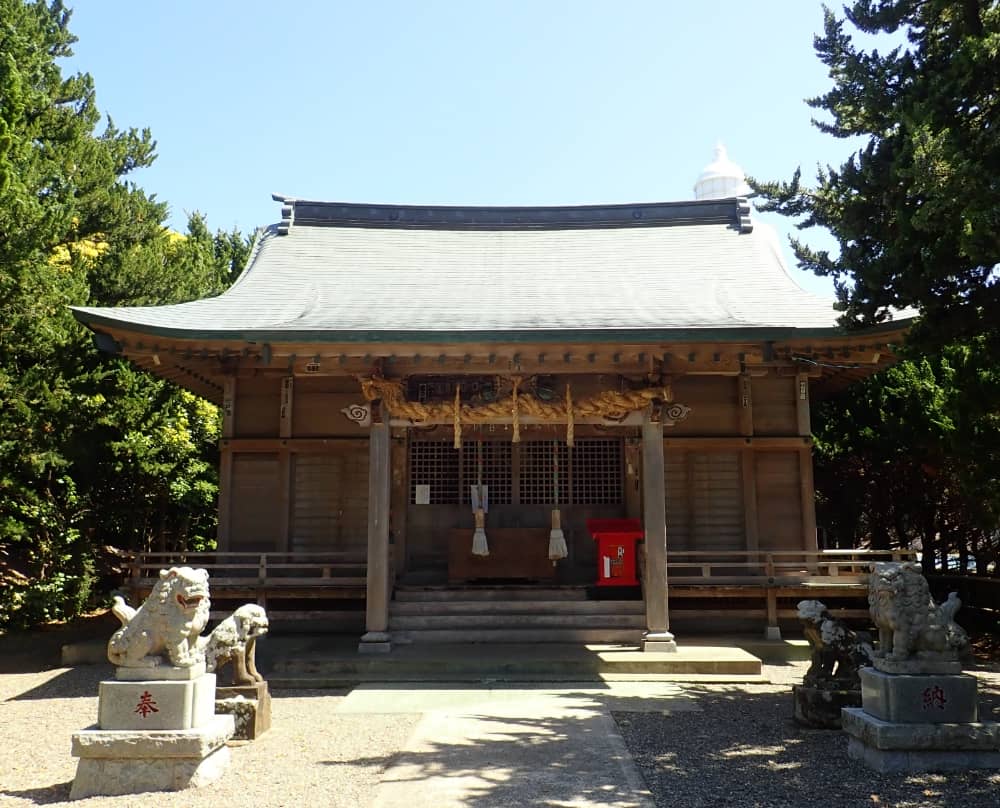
776 567
259 576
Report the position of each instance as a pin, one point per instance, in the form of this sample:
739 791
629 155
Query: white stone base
375 642
660 641
772 633
131 762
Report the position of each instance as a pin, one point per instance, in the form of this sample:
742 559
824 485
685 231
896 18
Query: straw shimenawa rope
608 404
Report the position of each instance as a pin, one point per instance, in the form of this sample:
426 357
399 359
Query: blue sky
501 103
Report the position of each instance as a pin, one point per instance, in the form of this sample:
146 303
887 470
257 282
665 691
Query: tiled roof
336 272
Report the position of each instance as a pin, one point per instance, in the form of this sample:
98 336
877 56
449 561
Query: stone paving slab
505 745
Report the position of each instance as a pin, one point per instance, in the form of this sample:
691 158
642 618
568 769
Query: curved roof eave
94 321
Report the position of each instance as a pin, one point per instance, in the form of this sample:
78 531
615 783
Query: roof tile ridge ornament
287 212
743 211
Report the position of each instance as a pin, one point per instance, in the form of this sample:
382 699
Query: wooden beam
744 400
802 404
285 416
228 407
731 443
291 444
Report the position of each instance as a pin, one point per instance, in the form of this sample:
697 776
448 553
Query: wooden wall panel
717 501
317 413
714 406
675 475
779 501
704 496
258 408
255 503
774 406
330 501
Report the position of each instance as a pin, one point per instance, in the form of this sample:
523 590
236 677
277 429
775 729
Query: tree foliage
92 452
914 211
912 457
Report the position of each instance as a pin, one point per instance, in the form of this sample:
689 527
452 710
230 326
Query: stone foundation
920 722
115 762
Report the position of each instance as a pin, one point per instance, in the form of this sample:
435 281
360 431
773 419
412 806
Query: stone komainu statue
909 622
837 651
235 640
168 623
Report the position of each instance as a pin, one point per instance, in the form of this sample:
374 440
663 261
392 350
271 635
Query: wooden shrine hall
457 397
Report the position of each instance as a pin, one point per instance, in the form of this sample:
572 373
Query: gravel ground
741 749
311 755
745 751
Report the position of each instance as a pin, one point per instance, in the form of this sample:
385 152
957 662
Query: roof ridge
734 211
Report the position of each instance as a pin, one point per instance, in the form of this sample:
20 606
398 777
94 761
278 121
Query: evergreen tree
912 457
91 451
914 211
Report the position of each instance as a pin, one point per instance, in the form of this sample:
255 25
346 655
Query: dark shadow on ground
46 795
73 683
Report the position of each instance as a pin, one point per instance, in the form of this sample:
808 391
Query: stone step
519 635
539 607
508 593
399 622
566 662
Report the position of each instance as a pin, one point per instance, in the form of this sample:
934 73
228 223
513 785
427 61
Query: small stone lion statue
909 622
235 640
837 651
168 623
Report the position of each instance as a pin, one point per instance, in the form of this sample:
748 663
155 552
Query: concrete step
508 593
516 662
519 635
399 622
537 607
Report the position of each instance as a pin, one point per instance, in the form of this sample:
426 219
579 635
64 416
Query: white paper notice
422 495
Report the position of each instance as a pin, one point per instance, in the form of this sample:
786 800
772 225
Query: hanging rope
611 405
516 436
458 416
569 416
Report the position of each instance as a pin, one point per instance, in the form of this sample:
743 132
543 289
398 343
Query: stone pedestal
250 707
820 707
134 761
918 722
661 641
153 734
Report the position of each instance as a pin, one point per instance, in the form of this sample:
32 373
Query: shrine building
450 398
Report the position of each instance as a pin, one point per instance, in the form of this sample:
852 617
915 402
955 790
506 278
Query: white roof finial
722 178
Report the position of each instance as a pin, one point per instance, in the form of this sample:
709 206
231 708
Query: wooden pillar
748 462
223 538
376 638
657 636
